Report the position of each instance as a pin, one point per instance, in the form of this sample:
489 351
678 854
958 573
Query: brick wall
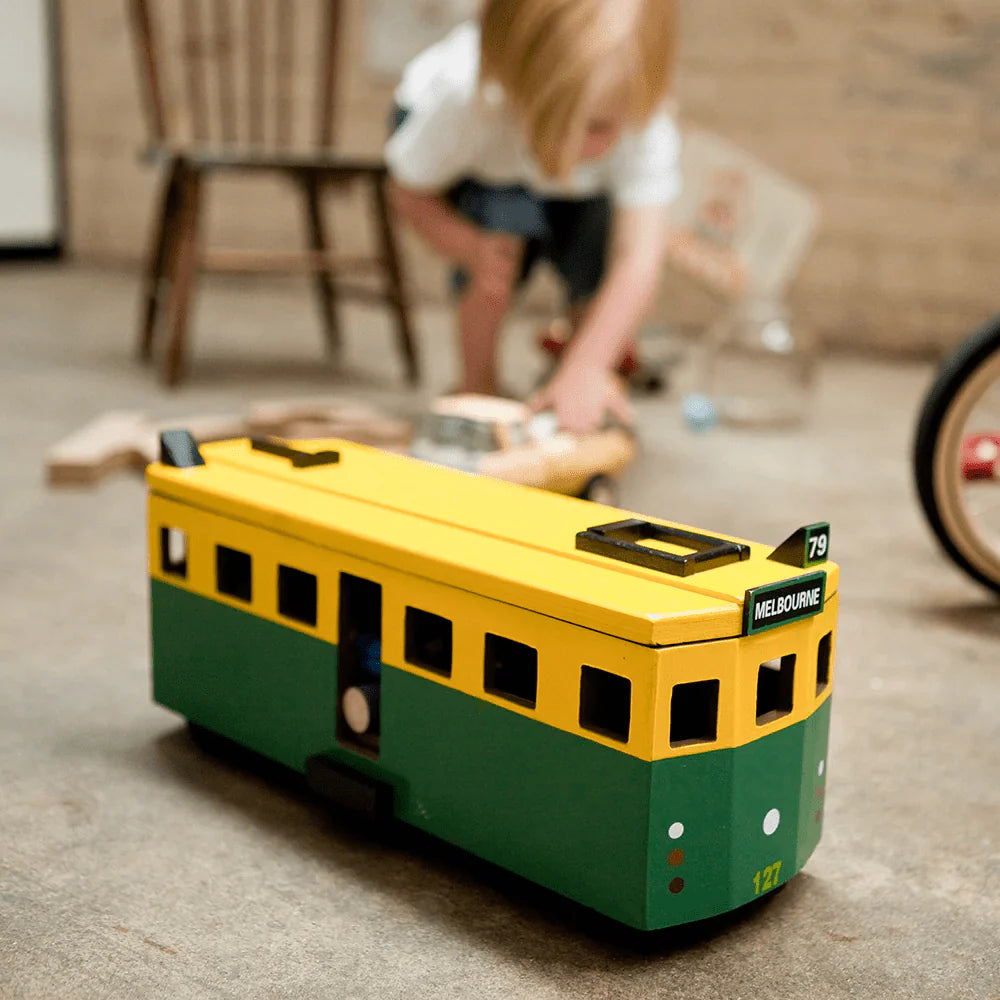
888 109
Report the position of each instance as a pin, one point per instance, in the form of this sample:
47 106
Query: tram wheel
955 501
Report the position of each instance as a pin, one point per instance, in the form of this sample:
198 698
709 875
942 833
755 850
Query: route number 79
818 544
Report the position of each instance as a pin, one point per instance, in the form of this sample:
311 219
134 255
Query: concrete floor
132 865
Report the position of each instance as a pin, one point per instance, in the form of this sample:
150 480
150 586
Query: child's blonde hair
554 58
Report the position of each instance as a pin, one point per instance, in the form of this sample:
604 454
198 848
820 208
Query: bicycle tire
953 377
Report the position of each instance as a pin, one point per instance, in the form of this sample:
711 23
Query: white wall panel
28 181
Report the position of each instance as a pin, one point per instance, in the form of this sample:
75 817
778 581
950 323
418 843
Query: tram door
359 664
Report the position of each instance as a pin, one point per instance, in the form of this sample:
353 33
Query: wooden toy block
436 648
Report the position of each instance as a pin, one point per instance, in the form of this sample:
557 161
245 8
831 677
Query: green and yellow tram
630 712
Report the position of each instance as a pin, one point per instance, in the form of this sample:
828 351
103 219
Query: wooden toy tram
632 713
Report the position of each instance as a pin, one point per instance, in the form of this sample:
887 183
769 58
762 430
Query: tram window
173 552
428 641
605 703
297 595
823 663
694 713
775 680
232 573
511 670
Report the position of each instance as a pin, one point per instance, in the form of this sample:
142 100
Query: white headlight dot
771 821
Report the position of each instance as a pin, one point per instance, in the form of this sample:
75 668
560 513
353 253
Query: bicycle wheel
957 456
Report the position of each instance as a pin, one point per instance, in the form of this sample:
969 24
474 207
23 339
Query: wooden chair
223 80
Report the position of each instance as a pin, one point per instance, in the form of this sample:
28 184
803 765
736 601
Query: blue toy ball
700 412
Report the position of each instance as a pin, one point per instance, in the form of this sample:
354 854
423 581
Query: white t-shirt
453 132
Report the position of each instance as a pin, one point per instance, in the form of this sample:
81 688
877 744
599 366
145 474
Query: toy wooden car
500 438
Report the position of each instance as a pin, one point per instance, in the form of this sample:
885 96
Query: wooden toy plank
124 439
127 439
326 417
106 443
384 432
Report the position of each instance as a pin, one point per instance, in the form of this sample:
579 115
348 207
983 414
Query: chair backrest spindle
328 60
222 25
255 70
146 40
284 67
193 53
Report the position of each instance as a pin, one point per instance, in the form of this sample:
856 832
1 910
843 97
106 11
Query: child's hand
580 397
494 264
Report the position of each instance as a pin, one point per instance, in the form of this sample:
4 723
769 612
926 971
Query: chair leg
394 275
183 269
164 231
325 288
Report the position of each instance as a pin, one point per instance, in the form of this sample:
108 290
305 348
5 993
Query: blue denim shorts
571 234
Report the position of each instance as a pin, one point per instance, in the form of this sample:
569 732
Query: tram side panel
554 807
551 806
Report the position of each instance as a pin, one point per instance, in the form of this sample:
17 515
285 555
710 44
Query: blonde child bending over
540 133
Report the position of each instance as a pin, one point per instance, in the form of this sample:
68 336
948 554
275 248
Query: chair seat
221 157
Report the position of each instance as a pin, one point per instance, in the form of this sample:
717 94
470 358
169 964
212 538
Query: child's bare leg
481 315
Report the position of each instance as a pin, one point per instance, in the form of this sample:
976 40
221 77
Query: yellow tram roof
511 543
